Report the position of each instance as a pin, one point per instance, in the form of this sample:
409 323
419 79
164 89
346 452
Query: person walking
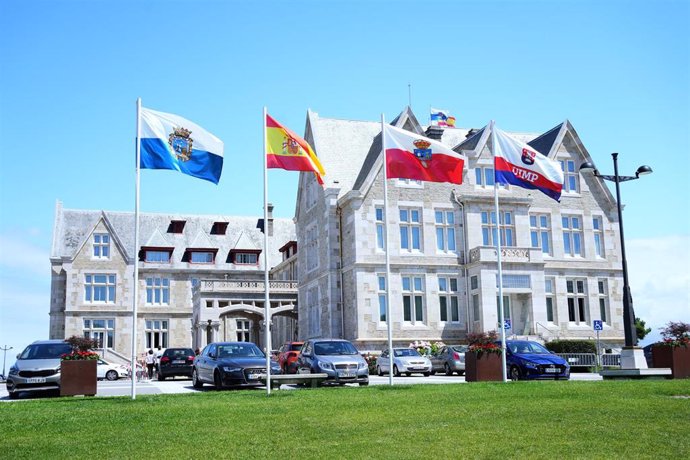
150 361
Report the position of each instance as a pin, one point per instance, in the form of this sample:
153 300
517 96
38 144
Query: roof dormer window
200 256
156 255
219 228
101 246
176 226
244 256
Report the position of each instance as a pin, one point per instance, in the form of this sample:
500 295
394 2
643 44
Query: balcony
481 254
236 286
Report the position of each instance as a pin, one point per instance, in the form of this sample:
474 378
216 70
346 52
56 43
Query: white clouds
659 270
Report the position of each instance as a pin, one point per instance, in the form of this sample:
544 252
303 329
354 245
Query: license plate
347 374
36 380
253 376
178 361
552 370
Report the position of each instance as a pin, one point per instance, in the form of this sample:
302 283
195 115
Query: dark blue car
231 364
526 360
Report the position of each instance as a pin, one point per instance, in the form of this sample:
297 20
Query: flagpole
498 254
389 320
135 255
267 305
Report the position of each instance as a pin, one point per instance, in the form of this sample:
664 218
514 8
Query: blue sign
598 325
506 324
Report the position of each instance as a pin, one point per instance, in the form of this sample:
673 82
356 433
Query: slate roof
544 142
73 227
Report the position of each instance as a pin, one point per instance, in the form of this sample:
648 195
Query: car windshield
460 348
405 352
527 347
240 350
178 353
334 348
45 351
295 347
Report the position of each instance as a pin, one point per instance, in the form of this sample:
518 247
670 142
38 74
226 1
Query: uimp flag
411 156
519 164
171 142
286 150
440 118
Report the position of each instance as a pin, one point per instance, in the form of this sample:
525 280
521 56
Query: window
409 183
489 228
570 177
157 291
550 300
157 256
156 333
413 299
312 248
201 257
99 288
540 231
474 282
100 330
101 246
176 226
603 300
382 298
311 195
484 176
380 229
245 258
448 299
410 230
475 307
314 311
243 328
506 308
598 228
445 231
572 236
577 308
219 228
515 281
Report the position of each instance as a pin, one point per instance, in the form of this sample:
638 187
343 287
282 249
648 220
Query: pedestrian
196 351
150 360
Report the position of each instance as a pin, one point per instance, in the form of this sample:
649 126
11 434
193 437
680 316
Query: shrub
371 362
571 346
675 335
483 342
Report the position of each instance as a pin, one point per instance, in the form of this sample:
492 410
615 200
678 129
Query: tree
640 328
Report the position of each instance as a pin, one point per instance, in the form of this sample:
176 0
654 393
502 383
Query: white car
109 371
405 361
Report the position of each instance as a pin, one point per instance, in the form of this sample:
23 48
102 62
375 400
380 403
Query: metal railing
590 359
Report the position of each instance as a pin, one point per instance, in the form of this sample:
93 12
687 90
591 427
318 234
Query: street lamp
628 312
4 354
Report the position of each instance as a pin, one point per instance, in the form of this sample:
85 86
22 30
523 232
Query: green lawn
609 419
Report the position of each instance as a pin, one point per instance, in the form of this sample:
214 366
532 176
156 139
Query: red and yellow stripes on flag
286 150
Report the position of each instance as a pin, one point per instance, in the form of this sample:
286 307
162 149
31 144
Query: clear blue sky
70 73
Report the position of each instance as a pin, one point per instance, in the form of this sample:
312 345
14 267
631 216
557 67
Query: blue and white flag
439 117
172 142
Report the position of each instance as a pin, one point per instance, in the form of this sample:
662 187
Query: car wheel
432 372
396 372
447 370
408 374
514 373
196 383
363 384
427 374
379 371
111 375
461 372
14 395
217 381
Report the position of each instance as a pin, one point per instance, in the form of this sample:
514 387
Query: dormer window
101 246
219 228
176 226
200 256
156 255
288 250
244 256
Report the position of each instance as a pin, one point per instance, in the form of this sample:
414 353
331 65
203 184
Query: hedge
571 346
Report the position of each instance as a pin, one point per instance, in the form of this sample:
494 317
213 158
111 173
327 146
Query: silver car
337 358
37 368
405 361
449 359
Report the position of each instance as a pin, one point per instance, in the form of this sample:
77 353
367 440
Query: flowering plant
675 335
426 348
483 342
81 349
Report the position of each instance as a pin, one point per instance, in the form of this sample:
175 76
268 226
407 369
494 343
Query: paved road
181 385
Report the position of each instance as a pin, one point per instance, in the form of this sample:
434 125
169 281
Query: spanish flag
286 150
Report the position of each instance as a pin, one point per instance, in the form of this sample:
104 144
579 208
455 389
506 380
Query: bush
370 358
571 346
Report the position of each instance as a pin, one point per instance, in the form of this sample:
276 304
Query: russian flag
411 156
519 164
171 142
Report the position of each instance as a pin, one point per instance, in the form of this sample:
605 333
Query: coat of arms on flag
181 143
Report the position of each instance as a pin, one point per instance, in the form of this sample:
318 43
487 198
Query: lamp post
628 312
4 355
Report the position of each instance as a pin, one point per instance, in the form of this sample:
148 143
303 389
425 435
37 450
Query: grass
609 419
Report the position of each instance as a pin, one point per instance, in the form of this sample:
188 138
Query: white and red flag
411 156
519 164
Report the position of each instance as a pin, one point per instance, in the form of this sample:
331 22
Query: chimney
470 133
270 219
434 132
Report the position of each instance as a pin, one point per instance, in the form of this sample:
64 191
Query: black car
176 361
230 364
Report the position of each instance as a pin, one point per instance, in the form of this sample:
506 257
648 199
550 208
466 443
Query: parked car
108 371
287 356
230 364
37 368
337 358
176 361
449 359
405 360
530 360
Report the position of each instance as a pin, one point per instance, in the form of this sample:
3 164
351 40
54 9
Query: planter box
78 378
677 358
483 369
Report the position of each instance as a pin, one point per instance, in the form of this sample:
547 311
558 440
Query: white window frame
444 220
571 176
476 311
576 295
243 330
246 258
572 234
408 228
449 297
157 290
409 183
100 246
540 231
154 327
549 290
413 299
381 294
380 215
109 287
603 300
488 219
598 230
92 331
